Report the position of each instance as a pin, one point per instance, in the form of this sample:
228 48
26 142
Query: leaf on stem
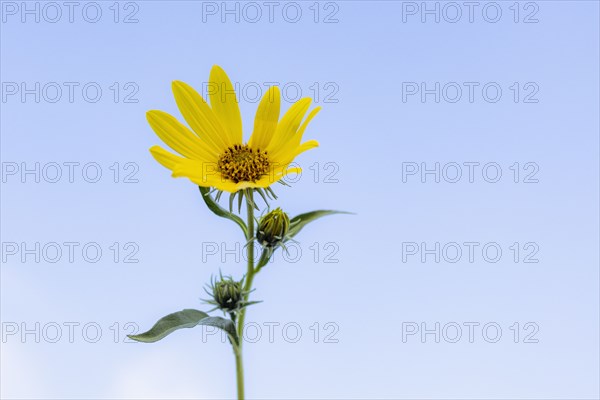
300 221
187 318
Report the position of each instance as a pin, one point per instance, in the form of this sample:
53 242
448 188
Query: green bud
272 228
227 294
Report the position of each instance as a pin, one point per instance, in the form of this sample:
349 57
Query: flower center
240 163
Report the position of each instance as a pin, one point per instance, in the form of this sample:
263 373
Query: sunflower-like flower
213 153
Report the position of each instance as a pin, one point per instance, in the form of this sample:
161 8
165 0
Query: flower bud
227 294
273 228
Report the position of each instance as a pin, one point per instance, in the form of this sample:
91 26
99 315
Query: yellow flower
213 153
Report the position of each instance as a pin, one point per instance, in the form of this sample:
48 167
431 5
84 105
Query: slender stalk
263 260
250 272
239 366
239 370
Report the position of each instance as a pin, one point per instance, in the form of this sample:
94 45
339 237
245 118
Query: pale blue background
368 133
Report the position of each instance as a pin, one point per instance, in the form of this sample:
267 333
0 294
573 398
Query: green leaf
182 319
220 211
300 221
222 323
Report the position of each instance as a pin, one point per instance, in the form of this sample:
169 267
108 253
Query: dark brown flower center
240 163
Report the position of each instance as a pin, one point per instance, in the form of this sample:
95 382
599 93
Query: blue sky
467 147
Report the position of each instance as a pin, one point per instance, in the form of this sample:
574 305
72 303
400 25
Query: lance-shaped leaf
300 221
187 318
220 211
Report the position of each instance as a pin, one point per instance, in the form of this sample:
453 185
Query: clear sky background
379 316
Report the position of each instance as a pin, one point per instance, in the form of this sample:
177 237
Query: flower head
213 153
272 228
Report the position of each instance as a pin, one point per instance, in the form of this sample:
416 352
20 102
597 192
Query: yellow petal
202 172
165 158
289 156
178 137
200 117
266 119
205 175
224 104
300 132
296 138
289 124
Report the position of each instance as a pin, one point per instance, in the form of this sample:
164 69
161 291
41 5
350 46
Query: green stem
263 260
239 369
250 272
247 287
